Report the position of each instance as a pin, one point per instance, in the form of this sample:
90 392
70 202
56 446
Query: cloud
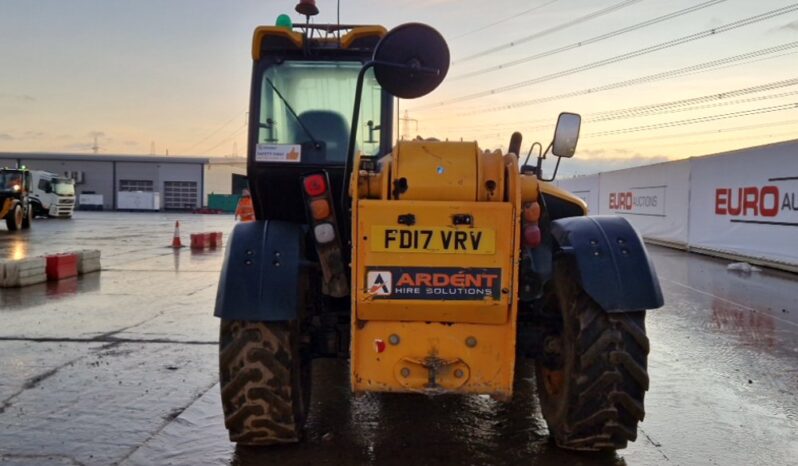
79 147
17 98
96 134
789 27
6 137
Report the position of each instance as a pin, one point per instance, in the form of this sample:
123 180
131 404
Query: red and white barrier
200 241
54 267
61 266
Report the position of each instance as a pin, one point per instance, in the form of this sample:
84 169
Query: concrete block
89 253
32 280
88 266
88 260
22 272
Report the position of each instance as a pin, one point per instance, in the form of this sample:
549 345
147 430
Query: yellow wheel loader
15 205
432 266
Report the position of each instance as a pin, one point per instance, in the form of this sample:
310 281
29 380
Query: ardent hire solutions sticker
291 153
434 283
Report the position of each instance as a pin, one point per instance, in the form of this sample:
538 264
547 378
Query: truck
432 266
15 204
52 195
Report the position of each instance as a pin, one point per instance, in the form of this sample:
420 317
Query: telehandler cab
431 265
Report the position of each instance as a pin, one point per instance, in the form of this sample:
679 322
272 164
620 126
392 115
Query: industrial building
110 181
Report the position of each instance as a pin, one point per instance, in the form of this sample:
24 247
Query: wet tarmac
119 367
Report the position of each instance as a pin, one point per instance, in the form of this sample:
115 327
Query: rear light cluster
531 227
317 197
321 218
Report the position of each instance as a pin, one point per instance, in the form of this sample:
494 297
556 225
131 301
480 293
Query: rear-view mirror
411 60
566 135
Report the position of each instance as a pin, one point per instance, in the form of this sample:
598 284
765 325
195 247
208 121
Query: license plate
442 240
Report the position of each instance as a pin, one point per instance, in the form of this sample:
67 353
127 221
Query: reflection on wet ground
120 367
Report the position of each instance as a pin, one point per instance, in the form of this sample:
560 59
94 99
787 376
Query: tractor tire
593 375
27 218
265 382
15 218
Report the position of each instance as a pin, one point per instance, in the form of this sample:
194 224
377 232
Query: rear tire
593 376
265 382
14 218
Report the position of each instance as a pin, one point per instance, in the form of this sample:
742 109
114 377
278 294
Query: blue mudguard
261 273
613 265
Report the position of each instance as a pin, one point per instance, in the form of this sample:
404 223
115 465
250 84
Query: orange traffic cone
176 239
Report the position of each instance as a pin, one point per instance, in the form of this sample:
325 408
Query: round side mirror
411 60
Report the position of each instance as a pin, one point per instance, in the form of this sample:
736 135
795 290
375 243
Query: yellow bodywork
447 319
296 39
8 204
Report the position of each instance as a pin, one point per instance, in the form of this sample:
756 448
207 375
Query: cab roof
314 37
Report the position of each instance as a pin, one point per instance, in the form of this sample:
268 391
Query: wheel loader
432 266
15 205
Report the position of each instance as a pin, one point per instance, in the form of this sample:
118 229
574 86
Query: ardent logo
379 282
433 283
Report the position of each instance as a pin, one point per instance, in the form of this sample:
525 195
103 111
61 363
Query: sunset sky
175 74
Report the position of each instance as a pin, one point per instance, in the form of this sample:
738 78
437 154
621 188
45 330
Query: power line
550 30
724 103
228 138
714 100
721 130
503 20
716 131
691 102
212 133
592 40
714 64
692 121
626 56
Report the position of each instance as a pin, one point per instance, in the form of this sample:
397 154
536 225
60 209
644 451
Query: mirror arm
350 152
541 158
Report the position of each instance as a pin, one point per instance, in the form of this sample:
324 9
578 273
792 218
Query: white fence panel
584 187
654 199
745 203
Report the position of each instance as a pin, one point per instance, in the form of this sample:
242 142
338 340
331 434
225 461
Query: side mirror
566 135
411 60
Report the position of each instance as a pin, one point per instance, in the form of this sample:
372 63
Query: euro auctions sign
746 202
767 204
646 200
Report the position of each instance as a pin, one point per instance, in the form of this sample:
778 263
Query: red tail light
315 185
532 235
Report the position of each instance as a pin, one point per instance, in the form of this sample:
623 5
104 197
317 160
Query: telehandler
432 266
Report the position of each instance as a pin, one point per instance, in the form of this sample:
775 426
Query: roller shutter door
180 195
